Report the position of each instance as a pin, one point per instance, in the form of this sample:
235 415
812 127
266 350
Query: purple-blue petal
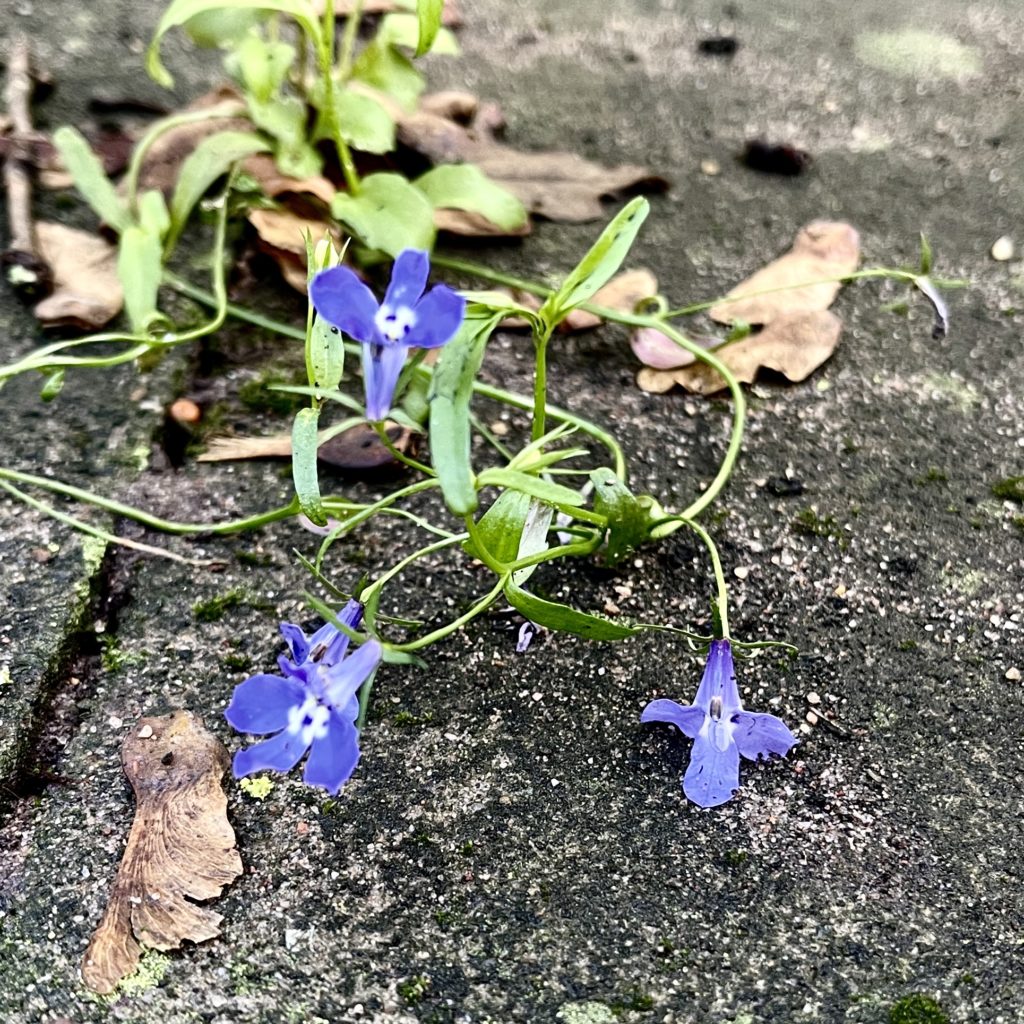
759 735
261 703
687 719
719 680
351 615
298 645
333 757
280 753
343 300
713 775
408 279
345 679
382 365
438 317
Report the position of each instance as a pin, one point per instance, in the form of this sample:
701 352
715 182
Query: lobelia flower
721 731
311 706
405 319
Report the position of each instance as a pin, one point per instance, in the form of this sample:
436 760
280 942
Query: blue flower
721 731
311 706
405 319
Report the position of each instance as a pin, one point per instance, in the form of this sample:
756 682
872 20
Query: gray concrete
514 846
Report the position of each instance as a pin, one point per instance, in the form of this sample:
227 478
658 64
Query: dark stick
26 271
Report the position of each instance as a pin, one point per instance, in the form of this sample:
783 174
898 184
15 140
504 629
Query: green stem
366 689
348 41
722 601
540 382
480 548
325 56
154 522
398 456
391 573
482 605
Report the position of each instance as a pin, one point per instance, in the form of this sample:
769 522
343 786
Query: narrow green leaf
212 158
87 173
563 618
600 263
364 123
52 385
327 354
428 14
466 187
926 255
406 31
451 388
182 11
307 484
153 216
389 214
532 485
628 516
139 266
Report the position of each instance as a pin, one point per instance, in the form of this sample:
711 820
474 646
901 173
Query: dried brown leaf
820 250
470 224
793 344
556 185
181 848
263 169
621 293
87 292
450 14
282 235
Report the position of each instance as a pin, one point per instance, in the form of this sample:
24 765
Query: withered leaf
87 292
821 249
556 185
181 848
793 344
263 169
282 235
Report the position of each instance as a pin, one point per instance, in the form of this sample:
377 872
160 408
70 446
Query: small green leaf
500 528
212 158
600 263
384 68
532 485
406 30
304 473
563 618
392 657
215 28
388 214
465 187
139 266
926 255
327 354
364 123
52 385
451 389
153 216
87 173
260 66
182 11
428 15
285 119
628 517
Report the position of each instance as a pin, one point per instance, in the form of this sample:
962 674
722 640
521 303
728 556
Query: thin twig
25 269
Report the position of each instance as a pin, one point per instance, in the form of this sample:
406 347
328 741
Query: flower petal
687 719
345 679
438 316
719 680
343 300
298 645
280 753
713 775
382 365
261 703
408 279
758 735
333 758
351 615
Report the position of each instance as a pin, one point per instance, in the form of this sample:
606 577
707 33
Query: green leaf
428 15
451 388
182 11
501 526
285 119
563 618
601 262
52 385
212 158
214 28
139 266
532 485
327 354
364 123
465 187
153 216
392 657
87 173
304 474
388 214
384 68
628 516
926 255
406 30
260 66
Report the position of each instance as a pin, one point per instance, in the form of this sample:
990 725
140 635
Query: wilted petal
438 317
280 753
382 365
343 300
713 775
408 279
688 719
333 757
758 735
261 703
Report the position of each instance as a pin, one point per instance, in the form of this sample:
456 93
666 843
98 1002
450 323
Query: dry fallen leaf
262 168
87 292
282 235
621 293
821 250
181 848
556 185
793 344
450 14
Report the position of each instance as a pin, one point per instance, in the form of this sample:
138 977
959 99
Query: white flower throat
309 719
394 325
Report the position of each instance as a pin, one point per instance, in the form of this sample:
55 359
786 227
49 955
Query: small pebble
1003 249
145 732
1013 674
813 698
499 427
185 412
741 572
712 168
812 718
